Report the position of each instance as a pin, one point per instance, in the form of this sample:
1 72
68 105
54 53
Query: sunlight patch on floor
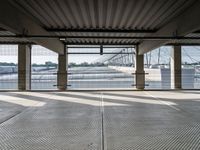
21 101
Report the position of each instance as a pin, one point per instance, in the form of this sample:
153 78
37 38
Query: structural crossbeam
187 22
19 23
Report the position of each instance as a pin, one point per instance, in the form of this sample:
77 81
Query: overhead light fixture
62 39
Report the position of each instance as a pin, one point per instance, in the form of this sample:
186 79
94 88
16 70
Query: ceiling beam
101 43
185 23
32 37
98 46
102 30
14 43
17 22
183 44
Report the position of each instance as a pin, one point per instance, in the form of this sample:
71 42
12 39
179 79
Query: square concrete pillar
176 71
24 67
139 70
62 71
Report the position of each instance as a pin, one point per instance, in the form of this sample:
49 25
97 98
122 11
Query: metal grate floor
100 121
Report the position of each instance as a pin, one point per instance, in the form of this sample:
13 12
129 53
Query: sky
40 55
43 59
8 53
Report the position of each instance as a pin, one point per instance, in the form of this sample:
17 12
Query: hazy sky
8 53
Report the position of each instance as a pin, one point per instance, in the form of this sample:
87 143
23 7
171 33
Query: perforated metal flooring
100 121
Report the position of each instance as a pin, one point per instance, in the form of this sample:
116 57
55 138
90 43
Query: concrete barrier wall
153 74
188 78
162 75
128 70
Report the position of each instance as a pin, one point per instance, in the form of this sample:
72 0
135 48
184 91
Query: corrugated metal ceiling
120 14
102 14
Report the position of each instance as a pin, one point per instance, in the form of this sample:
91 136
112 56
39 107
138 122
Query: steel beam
154 38
89 47
101 43
183 44
15 43
101 30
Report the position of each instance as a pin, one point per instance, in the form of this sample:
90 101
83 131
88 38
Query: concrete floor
100 120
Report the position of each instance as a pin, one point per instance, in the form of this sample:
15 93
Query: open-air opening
8 67
97 67
44 64
157 68
94 67
190 67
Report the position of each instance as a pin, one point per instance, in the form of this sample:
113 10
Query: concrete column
176 70
62 71
139 70
24 67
